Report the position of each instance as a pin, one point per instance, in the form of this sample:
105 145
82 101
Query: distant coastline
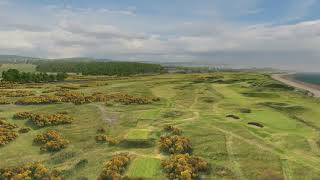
289 80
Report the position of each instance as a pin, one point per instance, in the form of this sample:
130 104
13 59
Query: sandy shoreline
286 79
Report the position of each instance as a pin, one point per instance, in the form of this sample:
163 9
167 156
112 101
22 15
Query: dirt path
299 85
109 118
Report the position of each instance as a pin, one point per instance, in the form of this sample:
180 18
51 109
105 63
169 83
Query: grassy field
213 110
20 67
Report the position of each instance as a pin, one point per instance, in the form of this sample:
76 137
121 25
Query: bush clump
184 166
42 120
23 115
127 99
175 144
105 139
17 93
101 130
172 130
4 101
36 100
115 167
74 97
7 133
51 141
29 171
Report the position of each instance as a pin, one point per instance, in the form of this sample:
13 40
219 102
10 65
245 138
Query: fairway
145 167
238 123
138 134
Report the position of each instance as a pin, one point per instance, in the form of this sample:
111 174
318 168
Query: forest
14 75
99 68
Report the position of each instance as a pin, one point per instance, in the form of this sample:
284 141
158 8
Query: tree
12 75
61 76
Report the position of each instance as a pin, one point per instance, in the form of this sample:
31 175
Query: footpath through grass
246 125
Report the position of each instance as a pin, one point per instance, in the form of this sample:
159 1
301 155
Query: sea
311 78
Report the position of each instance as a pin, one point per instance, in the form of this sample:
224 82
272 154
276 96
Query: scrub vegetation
221 125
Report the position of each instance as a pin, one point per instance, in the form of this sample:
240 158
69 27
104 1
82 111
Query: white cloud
84 32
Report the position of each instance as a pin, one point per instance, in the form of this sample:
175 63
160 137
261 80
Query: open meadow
243 125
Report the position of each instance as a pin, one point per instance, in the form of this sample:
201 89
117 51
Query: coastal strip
286 79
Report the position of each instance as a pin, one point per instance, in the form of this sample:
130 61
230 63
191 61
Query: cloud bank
74 32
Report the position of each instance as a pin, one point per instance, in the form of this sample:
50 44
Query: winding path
110 119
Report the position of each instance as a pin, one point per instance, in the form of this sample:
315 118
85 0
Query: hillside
244 125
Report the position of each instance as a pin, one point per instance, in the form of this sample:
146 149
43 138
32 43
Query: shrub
105 139
6 125
42 120
29 171
101 130
184 166
4 101
16 93
175 144
172 130
35 100
114 168
23 115
7 133
79 98
56 145
6 136
127 99
51 141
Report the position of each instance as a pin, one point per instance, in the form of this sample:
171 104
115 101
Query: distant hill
26 59
16 59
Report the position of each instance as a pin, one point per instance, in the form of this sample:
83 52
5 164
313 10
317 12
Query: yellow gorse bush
51 141
114 168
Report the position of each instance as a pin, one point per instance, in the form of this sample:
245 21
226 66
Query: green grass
287 145
138 134
144 167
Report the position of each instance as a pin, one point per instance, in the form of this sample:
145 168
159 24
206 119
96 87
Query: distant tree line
100 68
13 75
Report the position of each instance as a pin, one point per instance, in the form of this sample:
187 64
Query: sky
264 33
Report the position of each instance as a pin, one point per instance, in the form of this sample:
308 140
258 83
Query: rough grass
285 148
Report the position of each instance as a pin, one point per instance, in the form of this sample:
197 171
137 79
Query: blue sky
262 32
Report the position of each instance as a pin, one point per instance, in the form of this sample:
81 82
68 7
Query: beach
286 79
